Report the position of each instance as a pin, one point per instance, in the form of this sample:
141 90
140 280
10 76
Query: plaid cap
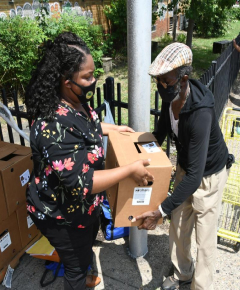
171 57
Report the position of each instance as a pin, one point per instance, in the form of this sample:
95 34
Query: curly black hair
184 70
60 58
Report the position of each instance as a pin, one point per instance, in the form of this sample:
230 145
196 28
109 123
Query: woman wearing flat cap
188 117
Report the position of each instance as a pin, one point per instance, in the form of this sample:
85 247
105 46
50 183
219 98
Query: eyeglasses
165 85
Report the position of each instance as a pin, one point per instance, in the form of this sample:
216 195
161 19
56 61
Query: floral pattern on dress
65 153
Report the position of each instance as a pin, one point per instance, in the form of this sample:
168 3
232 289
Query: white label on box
142 195
29 221
24 178
5 242
151 147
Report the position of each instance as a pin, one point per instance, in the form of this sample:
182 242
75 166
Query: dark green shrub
21 37
181 38
213 22
234 13
165 39
19 40
116 12
91 34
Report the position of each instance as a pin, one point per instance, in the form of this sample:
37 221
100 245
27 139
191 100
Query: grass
202 58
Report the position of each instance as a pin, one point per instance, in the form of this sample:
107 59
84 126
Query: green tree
19 40
116 13
208 16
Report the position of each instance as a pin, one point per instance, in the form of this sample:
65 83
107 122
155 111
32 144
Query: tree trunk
190 32
174 32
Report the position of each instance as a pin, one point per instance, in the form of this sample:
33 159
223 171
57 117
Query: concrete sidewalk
119 271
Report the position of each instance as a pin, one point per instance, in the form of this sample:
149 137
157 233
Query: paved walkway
119 271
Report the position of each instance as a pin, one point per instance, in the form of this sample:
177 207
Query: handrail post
110 94
214 64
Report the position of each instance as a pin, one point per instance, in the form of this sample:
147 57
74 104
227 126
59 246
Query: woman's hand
124 128
106 128
139 173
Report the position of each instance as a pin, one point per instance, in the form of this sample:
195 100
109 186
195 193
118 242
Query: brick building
164 24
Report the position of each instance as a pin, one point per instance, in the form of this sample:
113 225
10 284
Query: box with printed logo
127 199
15 168
9 240
27 228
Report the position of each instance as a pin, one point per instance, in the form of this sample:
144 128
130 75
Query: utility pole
139 23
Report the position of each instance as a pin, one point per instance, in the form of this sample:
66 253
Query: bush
21 37
116 12
212 23
181 38
234 13
166 39
91 34
19 40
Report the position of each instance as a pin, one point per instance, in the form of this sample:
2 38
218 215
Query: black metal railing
218 78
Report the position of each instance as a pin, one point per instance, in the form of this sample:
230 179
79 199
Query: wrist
161 211
157 214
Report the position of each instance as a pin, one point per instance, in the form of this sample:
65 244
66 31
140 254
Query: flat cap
171 57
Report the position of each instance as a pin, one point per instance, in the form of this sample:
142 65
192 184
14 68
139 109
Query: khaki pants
200 210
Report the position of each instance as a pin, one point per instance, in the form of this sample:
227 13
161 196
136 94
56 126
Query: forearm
184 189
106 128
104 179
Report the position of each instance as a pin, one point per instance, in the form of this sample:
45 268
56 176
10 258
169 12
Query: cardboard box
27 228
15 169
9 240
127 199
3 206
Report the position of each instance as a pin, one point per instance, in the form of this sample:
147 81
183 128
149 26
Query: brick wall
161 28
96 6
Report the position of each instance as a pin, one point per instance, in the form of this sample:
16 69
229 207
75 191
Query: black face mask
87 92
168 94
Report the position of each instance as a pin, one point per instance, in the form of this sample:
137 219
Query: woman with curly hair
64 193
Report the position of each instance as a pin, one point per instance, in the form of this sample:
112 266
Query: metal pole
139 21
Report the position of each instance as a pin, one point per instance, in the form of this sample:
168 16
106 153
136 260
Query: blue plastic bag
110 232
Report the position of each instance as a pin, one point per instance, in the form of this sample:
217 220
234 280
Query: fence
218 78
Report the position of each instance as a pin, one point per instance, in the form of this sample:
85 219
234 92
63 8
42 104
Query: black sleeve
197 155
162 131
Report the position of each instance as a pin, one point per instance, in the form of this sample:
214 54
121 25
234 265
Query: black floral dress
65 154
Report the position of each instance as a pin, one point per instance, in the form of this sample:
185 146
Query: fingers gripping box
127 199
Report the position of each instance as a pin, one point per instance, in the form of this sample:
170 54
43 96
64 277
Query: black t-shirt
65 154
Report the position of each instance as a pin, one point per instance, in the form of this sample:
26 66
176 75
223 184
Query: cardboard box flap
2 144
13 149
10 154
23 151
6 150
139 136
127 153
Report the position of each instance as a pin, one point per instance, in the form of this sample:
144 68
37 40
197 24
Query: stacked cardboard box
16 227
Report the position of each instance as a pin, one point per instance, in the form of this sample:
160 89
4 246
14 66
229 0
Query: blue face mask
87 92
168 94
